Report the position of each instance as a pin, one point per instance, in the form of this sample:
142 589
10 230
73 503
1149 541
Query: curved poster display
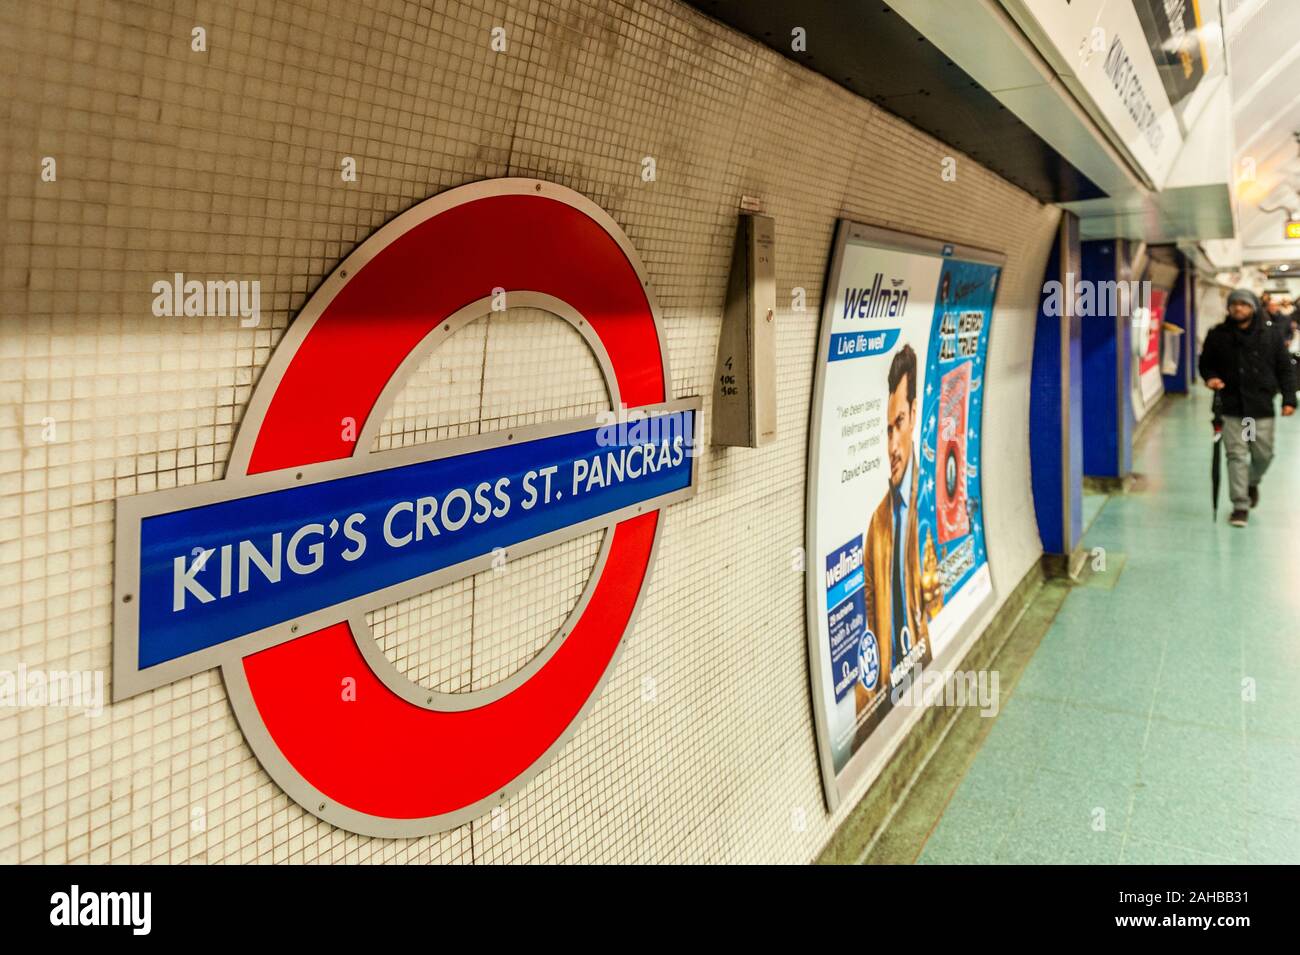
1147 334
896 553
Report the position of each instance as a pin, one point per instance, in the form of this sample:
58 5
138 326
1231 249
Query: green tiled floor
1131 736
1093 502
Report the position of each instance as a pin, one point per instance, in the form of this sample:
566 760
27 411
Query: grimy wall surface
227 164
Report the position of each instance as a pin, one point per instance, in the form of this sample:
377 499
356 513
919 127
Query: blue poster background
964 287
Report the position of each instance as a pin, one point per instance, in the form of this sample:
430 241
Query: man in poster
901 599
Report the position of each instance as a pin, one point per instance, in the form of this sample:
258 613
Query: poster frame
867 762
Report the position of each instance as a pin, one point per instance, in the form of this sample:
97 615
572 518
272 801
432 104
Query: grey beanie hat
1243 295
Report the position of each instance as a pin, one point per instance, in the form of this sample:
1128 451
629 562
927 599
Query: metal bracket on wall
744 383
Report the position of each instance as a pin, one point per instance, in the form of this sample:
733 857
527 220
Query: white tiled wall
225 164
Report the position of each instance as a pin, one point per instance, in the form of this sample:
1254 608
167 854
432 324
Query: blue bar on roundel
216 572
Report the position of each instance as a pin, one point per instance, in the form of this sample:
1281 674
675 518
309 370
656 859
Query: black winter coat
1254 366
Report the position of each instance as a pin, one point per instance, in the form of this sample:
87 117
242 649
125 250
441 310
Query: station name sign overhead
1103 52
269 573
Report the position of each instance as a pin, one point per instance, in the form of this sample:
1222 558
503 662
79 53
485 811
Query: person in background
1247 363
1286 309
1273 314
1270 309
1285 321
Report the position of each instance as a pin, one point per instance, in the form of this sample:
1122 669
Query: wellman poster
897 562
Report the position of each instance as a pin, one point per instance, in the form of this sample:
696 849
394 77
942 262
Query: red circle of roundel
380 764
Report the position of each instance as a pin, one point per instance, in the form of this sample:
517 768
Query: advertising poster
896 548
1150 382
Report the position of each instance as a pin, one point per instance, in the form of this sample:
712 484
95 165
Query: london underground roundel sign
269 573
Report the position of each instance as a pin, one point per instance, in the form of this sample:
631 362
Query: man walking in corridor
1247 364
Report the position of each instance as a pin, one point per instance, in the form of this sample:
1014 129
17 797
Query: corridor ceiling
872 51
1264 68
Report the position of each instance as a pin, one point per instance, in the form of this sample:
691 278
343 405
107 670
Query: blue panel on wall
1176 314
1045 457
1056 403
1099 353
1076 430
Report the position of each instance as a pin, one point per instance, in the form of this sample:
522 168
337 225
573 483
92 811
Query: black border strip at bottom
386 906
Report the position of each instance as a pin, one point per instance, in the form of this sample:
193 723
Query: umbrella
1216 462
